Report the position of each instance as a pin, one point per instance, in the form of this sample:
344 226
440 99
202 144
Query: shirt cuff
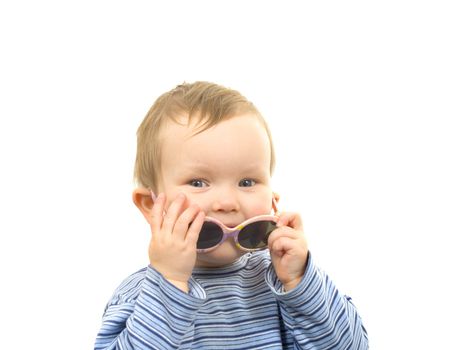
299 294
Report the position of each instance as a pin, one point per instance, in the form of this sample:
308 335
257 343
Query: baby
226 269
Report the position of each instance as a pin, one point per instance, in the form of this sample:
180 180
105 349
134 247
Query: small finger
157 213
290 219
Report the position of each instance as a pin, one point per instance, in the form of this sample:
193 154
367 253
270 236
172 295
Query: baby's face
224 169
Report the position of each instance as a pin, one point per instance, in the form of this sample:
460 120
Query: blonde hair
209 103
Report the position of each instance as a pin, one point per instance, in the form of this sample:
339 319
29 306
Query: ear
276 196
143 200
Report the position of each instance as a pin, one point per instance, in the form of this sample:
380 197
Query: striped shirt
240 306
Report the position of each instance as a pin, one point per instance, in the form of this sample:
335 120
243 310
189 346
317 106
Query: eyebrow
253 167
202 168
197 167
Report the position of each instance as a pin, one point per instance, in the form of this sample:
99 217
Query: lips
229 224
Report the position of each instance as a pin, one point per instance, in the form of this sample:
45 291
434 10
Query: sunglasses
250 235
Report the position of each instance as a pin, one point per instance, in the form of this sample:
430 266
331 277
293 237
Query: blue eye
197 183
247 183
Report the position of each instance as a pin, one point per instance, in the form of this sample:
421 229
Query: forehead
240 141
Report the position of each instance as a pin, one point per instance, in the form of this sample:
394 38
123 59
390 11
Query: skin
222 172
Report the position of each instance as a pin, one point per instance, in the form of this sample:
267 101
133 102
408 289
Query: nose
225 201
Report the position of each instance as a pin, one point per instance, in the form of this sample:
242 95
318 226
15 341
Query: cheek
202 202
259 206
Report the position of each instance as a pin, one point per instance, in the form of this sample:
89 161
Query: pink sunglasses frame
234 231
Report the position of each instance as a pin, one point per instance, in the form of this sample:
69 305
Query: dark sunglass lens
255 235
211 235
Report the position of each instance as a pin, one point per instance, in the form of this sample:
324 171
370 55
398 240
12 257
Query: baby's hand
172 249
288 250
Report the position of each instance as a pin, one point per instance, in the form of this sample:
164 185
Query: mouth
230 225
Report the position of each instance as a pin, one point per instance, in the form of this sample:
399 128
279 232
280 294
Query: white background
366 101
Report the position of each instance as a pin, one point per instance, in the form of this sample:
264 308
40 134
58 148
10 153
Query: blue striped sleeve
316 314
148 312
